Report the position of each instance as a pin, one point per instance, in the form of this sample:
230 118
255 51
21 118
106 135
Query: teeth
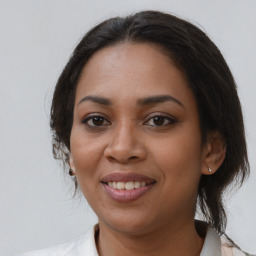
143 184
137 184
120 185
129 185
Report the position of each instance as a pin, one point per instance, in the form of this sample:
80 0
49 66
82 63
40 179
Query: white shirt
214 245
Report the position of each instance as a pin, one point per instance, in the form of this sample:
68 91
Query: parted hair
207 74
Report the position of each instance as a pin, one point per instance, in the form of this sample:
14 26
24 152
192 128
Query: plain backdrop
37 38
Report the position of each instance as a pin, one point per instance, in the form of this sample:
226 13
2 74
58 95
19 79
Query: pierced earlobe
71 172
215 152
207 171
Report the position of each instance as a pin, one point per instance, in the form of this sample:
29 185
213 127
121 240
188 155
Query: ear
214 153
71 164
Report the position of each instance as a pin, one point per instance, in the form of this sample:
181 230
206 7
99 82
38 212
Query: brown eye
97 121
160 121
94 121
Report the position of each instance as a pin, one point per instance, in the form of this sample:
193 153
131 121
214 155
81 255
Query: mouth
126 187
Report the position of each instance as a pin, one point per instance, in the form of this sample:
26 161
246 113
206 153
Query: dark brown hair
208 76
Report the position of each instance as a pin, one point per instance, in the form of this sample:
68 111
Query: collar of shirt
212 244
211 247
85 245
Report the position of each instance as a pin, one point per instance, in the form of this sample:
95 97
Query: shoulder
230 249
220 245
84 245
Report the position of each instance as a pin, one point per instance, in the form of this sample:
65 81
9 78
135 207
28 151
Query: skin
126 138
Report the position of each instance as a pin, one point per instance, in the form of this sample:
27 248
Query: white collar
212 244
85 245
211 247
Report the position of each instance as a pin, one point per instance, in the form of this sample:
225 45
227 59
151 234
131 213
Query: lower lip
126 195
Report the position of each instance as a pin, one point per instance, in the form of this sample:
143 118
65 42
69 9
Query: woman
146 115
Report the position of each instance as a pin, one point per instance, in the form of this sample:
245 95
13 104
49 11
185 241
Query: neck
175 240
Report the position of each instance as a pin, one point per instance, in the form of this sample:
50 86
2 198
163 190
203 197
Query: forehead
131 69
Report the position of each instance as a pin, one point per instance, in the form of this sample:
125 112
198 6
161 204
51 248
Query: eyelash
90 118
167 121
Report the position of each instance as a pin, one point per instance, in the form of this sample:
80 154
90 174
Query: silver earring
209 169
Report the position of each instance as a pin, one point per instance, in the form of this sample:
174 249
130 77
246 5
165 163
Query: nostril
124 153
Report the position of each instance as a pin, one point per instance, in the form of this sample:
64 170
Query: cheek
86 154
179 158
180 166
84 149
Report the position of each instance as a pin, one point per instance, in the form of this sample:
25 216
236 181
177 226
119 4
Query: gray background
37 37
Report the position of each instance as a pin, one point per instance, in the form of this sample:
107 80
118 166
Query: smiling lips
125 187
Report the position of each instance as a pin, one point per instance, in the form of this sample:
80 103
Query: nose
125 145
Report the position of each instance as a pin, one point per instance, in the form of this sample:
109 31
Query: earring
209 169
70 172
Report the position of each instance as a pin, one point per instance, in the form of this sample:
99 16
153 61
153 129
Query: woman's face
136 144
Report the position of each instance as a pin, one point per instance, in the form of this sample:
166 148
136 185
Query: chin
134 224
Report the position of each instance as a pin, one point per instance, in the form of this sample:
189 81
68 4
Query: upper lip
124 177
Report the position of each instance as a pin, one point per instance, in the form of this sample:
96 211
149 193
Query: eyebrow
96 99
144 101
159 99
